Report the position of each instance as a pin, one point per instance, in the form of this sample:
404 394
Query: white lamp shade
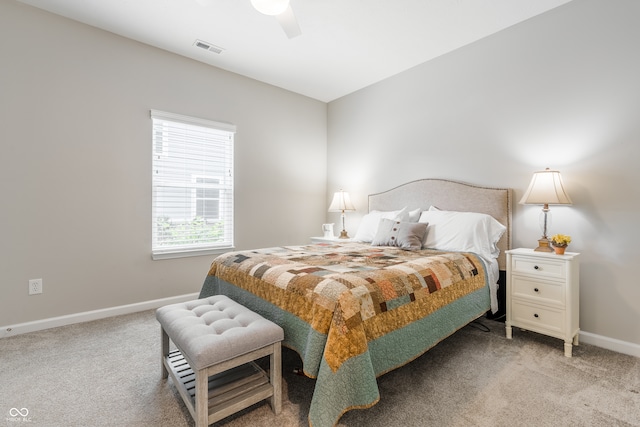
270 7
546 188
341 202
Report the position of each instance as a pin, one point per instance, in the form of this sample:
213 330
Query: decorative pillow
405 235
369 224
463 232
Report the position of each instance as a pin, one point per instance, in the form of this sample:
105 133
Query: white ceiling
345 44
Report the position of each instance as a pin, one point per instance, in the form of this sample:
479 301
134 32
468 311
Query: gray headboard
452 196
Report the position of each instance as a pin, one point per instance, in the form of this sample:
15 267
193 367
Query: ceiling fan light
270 7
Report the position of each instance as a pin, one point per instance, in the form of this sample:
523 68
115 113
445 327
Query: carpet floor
107 373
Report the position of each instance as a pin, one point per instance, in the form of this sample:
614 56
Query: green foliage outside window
191 232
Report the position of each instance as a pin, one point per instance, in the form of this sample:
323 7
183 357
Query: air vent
208 46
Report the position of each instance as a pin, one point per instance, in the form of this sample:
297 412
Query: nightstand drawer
538 267
537 319
547 292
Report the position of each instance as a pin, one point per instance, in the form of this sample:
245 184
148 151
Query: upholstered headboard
452 196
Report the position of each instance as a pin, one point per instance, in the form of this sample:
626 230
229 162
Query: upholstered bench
213 367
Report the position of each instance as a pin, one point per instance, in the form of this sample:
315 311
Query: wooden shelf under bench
236 387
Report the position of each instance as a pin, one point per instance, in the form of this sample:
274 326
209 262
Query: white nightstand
543 293
328 240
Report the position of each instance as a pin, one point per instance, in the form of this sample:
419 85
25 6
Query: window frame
161 180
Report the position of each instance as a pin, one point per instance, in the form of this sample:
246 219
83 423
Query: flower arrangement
560 240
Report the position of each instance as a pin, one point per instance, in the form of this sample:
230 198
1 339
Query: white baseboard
612 344
54 322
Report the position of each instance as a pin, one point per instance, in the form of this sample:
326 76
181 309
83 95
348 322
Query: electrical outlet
35 286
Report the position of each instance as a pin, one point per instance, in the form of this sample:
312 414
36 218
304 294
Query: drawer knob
536 315
536 289
536 267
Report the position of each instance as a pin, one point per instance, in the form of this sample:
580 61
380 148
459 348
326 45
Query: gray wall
560 90
75 164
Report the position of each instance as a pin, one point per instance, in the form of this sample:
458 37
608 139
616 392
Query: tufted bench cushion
216 329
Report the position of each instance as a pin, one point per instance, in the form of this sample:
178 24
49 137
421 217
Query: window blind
192 186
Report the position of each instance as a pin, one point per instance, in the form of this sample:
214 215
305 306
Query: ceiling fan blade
289 23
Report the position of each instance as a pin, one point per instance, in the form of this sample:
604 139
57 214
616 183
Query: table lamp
546 188
342 202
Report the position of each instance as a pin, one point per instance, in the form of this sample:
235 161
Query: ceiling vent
208 46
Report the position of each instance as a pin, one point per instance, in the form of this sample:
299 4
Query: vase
559 249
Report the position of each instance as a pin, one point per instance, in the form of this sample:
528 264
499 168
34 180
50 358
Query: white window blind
192 186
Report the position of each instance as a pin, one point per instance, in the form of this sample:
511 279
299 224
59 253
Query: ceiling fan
283 12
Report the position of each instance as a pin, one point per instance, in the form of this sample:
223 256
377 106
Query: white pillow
463 232
414 215
369 225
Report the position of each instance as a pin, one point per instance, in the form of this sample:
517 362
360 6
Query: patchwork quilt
354 311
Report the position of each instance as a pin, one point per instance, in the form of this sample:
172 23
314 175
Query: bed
356 310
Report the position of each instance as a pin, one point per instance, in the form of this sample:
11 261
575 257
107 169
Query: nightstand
328 240
543 291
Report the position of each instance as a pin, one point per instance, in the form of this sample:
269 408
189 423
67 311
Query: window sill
189 253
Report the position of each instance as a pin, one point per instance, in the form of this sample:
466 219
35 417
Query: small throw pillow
369 224
405 235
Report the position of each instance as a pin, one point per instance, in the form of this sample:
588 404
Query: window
208 198
192 186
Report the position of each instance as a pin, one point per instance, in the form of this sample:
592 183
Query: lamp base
344 235
543 246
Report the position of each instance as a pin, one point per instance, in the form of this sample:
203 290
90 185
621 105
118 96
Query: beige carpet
107 373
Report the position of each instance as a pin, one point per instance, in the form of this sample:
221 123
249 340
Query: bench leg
275 360
165 351
202 399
